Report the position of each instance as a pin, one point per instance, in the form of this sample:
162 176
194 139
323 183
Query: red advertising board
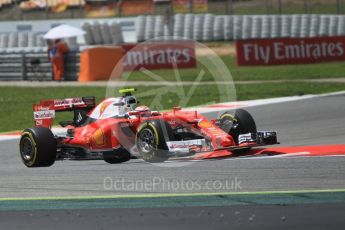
183 6
159 55
282 51
180 6
100 9
200 6
135 7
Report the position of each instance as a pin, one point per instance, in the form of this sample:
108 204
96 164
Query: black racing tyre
118 156
37 147
151 140
237 123
246 121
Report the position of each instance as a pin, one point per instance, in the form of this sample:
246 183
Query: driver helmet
130 102
145 111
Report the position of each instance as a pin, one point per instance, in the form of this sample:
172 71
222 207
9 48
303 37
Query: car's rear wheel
236 123
151 140
37 147
118 156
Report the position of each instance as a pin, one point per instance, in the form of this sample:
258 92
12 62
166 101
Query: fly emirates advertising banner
159 55
290 50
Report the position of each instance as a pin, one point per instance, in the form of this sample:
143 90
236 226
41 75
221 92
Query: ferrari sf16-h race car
117 129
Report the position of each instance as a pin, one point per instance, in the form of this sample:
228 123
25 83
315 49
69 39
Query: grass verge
16 102
241 73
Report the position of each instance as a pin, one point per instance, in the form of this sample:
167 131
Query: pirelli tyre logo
46 114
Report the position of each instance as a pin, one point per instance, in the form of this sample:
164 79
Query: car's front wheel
151 140
237 123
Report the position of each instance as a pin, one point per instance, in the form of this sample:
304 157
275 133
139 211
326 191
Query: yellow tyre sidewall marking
228 115
31 161
153 128
156 133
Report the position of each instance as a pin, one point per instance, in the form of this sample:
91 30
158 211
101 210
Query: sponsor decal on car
172 122
68 102
185 146
205 124
99 137
104 106
45 114
41 108
247 138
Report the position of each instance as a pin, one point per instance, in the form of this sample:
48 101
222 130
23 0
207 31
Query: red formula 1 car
113 130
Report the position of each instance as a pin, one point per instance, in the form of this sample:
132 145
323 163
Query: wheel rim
231 126
27 150
146 141
228 124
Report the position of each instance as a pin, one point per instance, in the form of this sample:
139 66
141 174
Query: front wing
192 148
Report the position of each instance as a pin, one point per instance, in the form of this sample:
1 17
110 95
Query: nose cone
227 141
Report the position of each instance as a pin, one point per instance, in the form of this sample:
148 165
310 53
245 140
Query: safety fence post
24 75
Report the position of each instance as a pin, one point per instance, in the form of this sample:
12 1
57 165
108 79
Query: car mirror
119 104
132 101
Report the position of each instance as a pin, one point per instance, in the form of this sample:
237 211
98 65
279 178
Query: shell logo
103 107
98 137
205 124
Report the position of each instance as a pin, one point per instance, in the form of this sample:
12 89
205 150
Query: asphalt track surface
237 217
312 121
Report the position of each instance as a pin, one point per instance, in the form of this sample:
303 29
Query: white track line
258 102
55 130
8 137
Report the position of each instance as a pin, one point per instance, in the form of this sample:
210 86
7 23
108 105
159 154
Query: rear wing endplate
44 113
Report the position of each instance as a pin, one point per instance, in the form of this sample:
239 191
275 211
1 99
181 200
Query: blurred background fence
56 9
35 66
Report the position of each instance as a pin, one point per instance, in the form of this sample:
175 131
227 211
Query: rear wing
44 113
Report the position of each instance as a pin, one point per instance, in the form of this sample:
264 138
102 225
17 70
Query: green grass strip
246 73
176 200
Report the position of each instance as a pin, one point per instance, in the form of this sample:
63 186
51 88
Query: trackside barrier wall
209 27
98 63
34 66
